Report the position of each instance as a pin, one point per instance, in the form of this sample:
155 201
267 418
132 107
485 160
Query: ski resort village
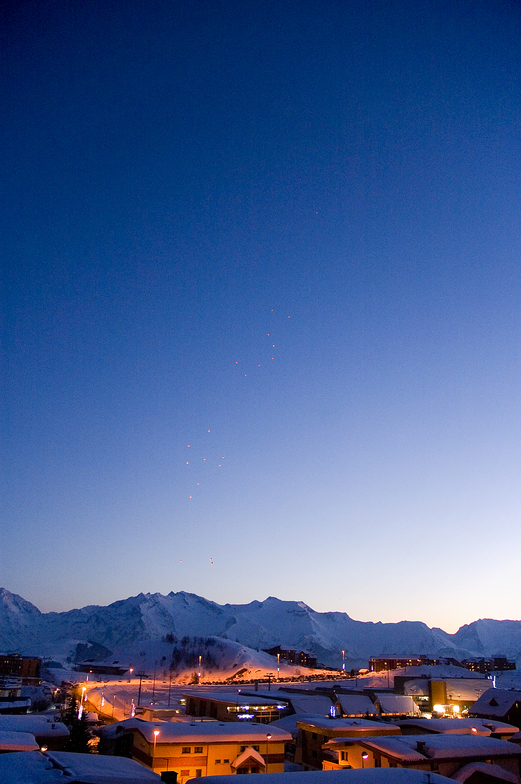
174 688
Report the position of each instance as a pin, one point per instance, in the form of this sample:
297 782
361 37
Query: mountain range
259 625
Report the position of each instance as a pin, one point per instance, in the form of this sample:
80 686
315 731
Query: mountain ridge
261 625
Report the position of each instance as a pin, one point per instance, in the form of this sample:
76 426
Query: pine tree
80 734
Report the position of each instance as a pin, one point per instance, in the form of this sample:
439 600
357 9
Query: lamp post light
156 733
268 738
344 662
365 755
131 670
199 673
278 666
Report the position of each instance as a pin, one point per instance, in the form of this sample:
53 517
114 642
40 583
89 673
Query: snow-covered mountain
257 625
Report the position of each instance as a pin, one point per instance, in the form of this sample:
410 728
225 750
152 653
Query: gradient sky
286 234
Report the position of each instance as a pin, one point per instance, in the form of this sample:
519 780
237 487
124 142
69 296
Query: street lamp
268 738
131 670
365 755
344 662
156 733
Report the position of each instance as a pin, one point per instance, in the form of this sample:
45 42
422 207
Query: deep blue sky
187 184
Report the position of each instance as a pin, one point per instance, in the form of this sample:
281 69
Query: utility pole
141 674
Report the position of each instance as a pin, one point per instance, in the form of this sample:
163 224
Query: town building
236 706
474 726
314 733
299 658
447 754
385 662
25 667
494 664
66 767
197 749
501 704
46 730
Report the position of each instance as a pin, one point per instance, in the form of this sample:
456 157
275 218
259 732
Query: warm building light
43 748
455 708
438 709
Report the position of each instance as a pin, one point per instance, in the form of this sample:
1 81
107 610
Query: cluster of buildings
419 730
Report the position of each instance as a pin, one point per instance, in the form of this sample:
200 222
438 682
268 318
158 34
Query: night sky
261 313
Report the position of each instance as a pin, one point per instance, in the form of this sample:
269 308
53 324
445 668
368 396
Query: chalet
502 704
47 731
486 727
197 749
446 754
34 767
314 733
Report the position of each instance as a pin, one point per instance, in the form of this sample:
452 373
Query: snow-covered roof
357 705
235 698
39 726
318 704
396 703
461 726
495 702
32 767
200 732
367 776
338 725
417 748
289 723
17 741
489 769
247 754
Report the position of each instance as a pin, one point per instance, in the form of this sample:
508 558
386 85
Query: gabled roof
357 705
495 702
248 754
419 748
489 769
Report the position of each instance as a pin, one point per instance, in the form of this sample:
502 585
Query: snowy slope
257 625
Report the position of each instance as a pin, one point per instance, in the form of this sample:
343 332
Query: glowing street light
156 733
365 756
131 670
268 738
344 662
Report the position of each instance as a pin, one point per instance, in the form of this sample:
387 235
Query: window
185 773
314 735
217 762
198 773
198 749
226 762
377 763
343 755
186 750
256 748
